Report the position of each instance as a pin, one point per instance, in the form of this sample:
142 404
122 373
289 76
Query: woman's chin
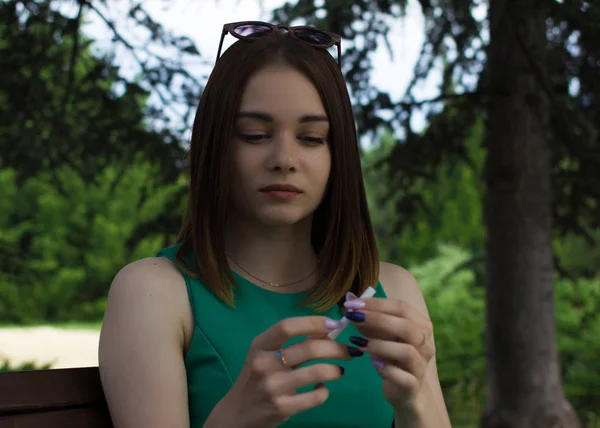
283 219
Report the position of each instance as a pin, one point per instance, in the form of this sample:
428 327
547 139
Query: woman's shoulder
153 285
151 275
398 283
396 278
142 343
150 272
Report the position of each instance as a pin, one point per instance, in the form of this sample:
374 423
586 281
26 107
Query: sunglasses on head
249 30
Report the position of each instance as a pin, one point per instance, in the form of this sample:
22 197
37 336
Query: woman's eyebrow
265 117
255 115
314 118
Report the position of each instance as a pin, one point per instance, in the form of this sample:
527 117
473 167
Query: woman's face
281 156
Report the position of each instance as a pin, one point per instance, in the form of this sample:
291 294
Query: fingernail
333 324
355 304
377 363
343 370
359 341
319 385
355 316
354 352
351 296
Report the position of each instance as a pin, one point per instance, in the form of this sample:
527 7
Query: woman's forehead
278 90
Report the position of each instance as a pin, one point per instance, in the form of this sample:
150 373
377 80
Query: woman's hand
399 340
264 394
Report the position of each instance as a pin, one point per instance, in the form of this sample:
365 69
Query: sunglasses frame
335 38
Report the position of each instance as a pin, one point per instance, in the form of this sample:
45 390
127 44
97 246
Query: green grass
72 325
6 366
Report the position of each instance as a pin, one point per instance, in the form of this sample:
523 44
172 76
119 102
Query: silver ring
279 353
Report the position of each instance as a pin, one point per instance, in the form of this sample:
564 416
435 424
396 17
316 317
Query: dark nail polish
354 352
355 316
343 370
359 341
319 385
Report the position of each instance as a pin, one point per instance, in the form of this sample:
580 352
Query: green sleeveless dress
221 339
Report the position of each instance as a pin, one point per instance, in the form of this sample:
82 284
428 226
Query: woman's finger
316 349
400 354
389 327
286 383
398 377
396 307
286 329
289 405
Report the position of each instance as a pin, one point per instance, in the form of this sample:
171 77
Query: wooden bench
65 398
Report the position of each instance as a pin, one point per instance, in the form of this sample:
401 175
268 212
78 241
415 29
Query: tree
61 105
553 69
86 183
55 96
61 249
451 210
523 367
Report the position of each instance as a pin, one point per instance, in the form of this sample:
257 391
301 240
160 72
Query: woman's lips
281 194
280 187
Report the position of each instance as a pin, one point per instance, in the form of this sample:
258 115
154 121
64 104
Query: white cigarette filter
369 292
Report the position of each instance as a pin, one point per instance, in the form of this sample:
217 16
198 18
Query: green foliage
449 210
82 168
578 256
456 305
456 40
67 239
578 320
60 105
6 366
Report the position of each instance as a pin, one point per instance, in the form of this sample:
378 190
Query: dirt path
62 348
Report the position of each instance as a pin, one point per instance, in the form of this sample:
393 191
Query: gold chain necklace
272 284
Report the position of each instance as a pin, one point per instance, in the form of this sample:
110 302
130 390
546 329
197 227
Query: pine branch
142 64
439 98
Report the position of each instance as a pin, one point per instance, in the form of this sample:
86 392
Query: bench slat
37 390
91 417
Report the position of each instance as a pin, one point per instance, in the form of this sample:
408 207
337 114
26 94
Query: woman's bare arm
399 284
141 352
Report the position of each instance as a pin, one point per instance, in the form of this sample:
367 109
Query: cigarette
369 292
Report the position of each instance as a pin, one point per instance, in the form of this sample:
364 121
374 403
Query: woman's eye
313 140
254 138
257 138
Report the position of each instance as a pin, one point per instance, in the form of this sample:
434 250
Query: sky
202 21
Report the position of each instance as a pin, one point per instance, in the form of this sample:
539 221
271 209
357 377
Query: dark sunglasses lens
252 30
315 37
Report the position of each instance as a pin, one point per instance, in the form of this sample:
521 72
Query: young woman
228 328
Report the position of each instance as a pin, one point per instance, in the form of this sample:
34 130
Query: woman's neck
281 255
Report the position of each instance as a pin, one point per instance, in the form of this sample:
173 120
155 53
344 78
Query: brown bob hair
342 234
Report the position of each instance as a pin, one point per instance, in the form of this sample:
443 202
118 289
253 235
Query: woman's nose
284 152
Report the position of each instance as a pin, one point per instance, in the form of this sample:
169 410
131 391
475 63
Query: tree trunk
525 387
